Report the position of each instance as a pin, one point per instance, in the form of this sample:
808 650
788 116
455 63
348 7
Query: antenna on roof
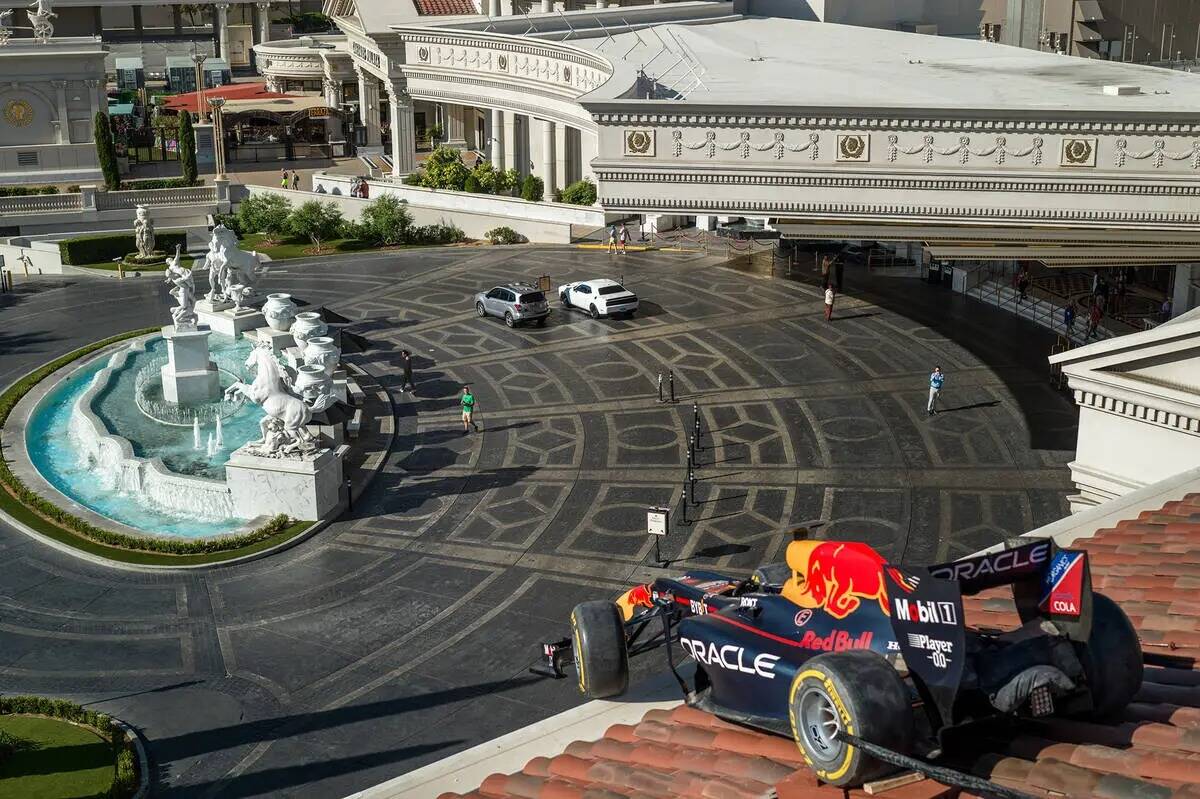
570 28
637 37
489 26
662 49
532 27
607 36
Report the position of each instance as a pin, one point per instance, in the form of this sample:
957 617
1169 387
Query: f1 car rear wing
1048 582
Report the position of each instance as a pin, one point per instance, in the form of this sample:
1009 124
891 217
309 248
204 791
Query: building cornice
510 44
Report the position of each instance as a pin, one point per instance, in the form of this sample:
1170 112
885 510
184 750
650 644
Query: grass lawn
301 248
62 761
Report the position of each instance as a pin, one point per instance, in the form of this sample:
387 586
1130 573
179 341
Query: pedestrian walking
826 263
1023 286
295 181
1069 318
936 380
839 268
283 179
1165 310
828 302
612 239
1119 295
406 382
1094 316
468 410
623 238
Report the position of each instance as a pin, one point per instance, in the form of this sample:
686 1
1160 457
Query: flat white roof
785 62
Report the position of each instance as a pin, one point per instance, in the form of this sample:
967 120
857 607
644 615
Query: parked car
600 297
514 303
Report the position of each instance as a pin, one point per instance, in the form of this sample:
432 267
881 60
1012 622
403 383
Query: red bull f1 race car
868 665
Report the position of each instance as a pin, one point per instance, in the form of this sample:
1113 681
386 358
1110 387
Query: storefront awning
288 108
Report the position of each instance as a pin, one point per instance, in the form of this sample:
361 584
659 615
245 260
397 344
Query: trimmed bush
581 192
108 246
26 191
385 222
230 221
444 169
504 235
532 188
264 213
472 184
437 234
125 782
106 151
187 148
156 183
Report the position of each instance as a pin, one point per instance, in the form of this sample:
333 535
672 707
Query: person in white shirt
828 302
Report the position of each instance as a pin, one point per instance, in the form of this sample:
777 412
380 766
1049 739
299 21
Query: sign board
657 521
318 112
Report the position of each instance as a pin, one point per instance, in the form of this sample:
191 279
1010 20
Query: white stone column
333 93
368 106
547 6
493 8
511 149
223 28
561 153
496 144
453 116
404 134
470 127
64 121
548 178
95 92
264 21
589 149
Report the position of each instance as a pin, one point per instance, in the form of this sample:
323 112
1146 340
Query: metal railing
1038 308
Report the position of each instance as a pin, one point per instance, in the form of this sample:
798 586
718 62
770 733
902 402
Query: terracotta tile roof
445 8
1150 565
230 91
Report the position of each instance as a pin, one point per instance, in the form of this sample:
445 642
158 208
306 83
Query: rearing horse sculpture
283 428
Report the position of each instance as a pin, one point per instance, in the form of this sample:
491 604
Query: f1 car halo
868 665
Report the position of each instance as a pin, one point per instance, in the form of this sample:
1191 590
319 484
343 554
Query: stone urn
311 382
279 311
308 325
321 351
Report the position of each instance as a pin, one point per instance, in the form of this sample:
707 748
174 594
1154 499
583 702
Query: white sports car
600 297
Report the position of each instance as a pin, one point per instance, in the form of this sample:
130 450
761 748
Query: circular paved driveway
402 633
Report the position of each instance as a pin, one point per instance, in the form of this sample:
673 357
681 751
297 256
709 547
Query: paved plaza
402 633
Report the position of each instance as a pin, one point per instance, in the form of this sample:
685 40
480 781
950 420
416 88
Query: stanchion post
660 396
692 485
694 448
690 459
671 383
683 519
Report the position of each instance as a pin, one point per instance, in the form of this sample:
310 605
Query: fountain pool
184 497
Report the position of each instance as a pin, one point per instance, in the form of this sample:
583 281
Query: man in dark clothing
406 362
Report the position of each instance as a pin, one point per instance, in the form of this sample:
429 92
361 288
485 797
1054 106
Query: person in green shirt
468 409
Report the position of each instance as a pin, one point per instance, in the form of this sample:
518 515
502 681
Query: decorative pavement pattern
402 633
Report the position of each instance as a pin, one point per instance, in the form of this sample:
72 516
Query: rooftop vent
1121 90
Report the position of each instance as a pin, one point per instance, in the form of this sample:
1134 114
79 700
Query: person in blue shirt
936 379
1069 318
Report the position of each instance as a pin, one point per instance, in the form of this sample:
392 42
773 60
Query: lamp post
218 135
199 59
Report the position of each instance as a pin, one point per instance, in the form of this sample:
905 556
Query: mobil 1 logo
927 620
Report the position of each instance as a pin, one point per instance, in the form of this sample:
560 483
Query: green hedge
156 183
107 246
55 708
59 517
25 191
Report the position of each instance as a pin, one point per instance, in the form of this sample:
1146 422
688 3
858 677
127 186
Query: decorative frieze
742 145
1158 154
1141 412
1078 152
927 149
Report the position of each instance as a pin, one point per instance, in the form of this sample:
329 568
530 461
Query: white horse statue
229 265
284 430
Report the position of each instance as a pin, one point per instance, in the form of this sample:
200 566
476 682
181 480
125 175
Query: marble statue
143 232
284 430
184 292
43 29
5 26
237 293
228 265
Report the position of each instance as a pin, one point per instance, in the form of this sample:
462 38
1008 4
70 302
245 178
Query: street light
218 120
199 59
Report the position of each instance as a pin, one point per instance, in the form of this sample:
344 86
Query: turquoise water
56 454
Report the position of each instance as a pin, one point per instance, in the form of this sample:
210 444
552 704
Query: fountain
253 447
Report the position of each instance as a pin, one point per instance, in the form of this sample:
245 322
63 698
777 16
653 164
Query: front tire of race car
601 657
1112 658
857 692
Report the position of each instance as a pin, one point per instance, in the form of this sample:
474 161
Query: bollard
671 383
694 449
692 485
691 459
660 396
683 519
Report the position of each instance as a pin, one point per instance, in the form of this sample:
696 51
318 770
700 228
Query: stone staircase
1040 311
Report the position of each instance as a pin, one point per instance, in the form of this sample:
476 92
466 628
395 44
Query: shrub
413 179
504 235
472 184
316 221
10 745
385 221
507 181
25 191
108 246
437 234
187 148
265 213
125 782
444 169
310 22
106 151
156 183
230 221
581 192
532 188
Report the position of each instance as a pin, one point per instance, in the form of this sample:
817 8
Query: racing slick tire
858 692
601 657
1112 658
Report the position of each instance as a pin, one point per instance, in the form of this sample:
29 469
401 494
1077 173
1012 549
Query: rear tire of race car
1112 658
601 657
858 692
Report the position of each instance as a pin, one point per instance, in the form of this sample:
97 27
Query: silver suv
515 302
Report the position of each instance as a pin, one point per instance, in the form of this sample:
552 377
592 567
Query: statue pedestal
221 318
189 377
279 340
307 488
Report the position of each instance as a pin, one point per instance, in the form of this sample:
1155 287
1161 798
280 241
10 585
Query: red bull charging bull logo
835 575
